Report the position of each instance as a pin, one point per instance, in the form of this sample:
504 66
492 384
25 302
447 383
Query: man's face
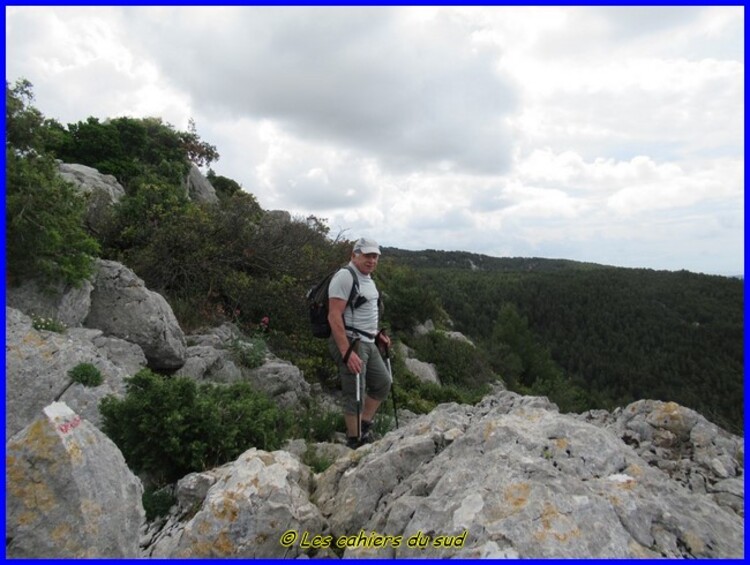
366 263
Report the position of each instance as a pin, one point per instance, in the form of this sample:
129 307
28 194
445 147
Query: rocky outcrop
206 363
429 326
281 381
691 450
199 188
425 372
220 337
458 336
277 218
37 365
116 302
212 358
240 510
208 357
66 304
126 327
101 192
509 477
69 492
122 306
512 477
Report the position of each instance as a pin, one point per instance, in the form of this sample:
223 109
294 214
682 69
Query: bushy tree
133 150
44 215
458 363
409 299
225 187
198 151
23 122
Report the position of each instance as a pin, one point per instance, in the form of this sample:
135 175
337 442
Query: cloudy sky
611 135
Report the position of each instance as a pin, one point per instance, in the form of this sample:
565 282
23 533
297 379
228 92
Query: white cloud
670 188
413 96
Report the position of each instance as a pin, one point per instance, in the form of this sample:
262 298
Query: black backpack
317 303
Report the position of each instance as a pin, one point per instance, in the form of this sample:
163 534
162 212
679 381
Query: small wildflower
48 324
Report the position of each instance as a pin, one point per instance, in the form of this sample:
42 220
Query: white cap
365 246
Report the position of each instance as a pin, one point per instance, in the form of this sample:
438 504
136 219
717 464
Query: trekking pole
393 385
359 409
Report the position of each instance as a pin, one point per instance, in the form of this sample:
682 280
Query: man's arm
336 308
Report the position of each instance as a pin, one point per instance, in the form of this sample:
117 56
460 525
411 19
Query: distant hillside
618 334
431 258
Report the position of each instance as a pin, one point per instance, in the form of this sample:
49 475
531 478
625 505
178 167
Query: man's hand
383 341
354 364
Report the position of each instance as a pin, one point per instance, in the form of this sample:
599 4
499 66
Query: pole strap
348 354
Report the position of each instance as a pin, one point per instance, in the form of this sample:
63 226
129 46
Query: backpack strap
350 302
355 288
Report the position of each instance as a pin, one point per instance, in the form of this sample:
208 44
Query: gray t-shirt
365 317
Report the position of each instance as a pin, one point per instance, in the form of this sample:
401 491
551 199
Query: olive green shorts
374 379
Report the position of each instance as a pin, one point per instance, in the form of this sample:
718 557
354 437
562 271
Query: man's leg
378 384
377 379
371 408
349 390
351 424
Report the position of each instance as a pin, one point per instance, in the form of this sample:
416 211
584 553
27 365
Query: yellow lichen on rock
517 495
556 526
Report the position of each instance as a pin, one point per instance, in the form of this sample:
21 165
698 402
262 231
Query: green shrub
422 397
308 353
130 148
46 237
157 503
315 424
385 421
249 352
318 463
409 298
48 324
86 374
458 363
171 426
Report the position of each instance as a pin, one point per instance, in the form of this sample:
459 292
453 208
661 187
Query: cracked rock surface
521 480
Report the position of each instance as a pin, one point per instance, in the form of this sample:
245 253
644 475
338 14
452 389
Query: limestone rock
69 492
211 364
37 365
424 329
281 381
89 180
220 337
458 336
64 303
691 450
101 192
511 477
122 306
199 188
248 504
426 372
429 327
277 218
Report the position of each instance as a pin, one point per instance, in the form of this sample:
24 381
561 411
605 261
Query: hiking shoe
354 442
368 433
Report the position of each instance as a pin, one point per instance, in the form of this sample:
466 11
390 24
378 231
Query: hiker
355 340
264 324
